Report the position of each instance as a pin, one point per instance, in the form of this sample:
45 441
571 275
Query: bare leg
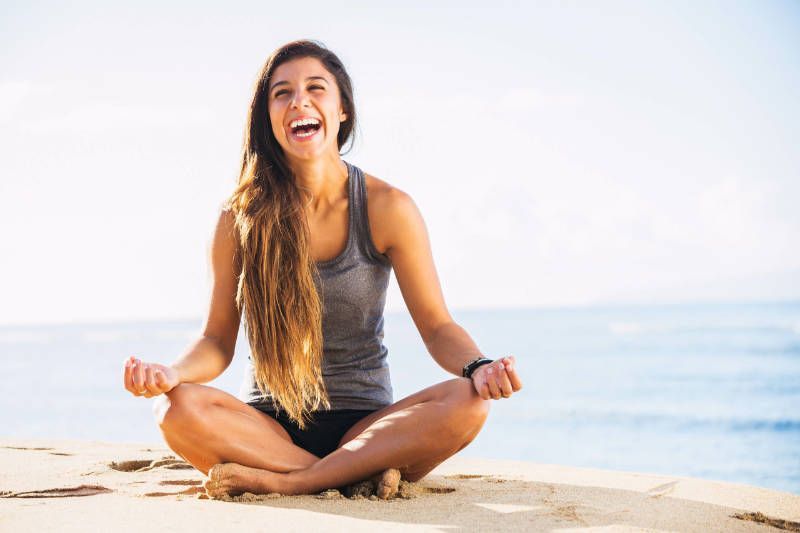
206 426
413 435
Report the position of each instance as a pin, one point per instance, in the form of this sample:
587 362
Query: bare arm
452 347
410 253
208 356
448 343
202 361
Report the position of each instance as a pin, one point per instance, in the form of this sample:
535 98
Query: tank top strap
358 195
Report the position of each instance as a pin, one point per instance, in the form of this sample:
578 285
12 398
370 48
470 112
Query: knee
471 408
176 405
478 407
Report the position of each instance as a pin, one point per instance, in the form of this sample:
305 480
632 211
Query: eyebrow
307 79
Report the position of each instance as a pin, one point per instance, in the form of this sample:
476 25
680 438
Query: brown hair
277 288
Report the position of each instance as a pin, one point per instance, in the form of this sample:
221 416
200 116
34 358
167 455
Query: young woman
302 251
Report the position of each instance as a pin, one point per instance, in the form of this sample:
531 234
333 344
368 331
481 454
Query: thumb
161 381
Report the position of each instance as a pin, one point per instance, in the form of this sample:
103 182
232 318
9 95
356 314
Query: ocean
702 390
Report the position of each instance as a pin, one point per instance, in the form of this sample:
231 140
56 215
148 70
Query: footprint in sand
143 465
189 490
768 520
65 492
438 490
24 448
661 490
181 482
36 449
485 477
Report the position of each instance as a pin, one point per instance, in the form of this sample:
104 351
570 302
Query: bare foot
232 479
387 483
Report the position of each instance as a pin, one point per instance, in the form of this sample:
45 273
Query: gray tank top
354 365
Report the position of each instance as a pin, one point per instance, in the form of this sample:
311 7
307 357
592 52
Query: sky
561 153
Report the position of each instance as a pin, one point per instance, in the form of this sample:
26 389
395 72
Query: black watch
470 367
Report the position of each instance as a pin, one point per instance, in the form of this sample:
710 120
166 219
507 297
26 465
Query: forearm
452 347
202 361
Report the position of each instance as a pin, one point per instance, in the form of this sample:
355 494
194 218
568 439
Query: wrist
473 365
178 372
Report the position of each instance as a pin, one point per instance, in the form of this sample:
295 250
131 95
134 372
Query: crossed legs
253 453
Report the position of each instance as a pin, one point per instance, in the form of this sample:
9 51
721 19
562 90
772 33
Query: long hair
277 287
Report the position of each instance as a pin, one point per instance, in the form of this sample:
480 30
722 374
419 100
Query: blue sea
705 390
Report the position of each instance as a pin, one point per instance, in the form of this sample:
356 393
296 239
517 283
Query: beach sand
67 485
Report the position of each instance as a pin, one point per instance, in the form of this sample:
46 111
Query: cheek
277 130
275 120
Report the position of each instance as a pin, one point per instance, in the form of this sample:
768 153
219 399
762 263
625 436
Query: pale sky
561 153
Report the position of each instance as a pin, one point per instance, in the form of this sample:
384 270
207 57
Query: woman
302 251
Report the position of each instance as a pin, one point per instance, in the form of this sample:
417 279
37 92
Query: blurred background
610 189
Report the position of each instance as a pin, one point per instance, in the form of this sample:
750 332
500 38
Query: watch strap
470 367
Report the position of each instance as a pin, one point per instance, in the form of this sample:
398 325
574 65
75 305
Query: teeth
303 122
309 134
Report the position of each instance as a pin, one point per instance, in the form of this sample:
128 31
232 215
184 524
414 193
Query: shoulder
391 212
226 226
225 242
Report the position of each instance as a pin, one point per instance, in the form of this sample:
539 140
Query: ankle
294 482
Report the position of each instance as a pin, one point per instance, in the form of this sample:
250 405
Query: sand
99 486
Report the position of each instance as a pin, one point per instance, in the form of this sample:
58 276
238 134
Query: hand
149 379
498 379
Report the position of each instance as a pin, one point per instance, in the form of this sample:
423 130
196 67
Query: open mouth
304 129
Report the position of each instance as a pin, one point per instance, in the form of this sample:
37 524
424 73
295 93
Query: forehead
301 68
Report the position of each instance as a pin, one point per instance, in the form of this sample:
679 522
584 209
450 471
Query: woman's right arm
209 355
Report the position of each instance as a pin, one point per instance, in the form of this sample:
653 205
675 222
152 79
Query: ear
342 116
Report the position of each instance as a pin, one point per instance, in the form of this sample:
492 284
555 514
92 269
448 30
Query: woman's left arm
403 230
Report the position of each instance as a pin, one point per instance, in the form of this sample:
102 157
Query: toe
215 472
388 484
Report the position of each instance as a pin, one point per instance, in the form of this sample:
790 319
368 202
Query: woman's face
303 89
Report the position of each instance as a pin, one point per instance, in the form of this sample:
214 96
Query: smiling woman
302 252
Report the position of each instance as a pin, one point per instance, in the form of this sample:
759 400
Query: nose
301 98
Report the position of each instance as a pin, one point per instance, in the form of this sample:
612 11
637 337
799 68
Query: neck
321 179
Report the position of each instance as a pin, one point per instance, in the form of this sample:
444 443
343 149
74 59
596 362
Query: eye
277 94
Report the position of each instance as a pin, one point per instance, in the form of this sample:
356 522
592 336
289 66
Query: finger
126 376
485 393
143 378
491 380
504 383
134 374
150 381
138 377
513 377
476 385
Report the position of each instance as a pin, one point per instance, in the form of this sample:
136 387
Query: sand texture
54 485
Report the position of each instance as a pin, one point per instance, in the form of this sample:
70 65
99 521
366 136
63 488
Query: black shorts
324 431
